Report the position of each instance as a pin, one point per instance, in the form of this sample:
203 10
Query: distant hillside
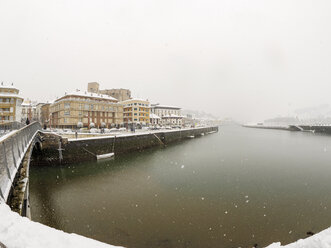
320 111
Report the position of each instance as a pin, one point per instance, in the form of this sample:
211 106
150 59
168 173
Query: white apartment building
170 115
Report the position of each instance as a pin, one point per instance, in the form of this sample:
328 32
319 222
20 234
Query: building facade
119 94
87 108
155 119
136 111
45 114
170 115
93 87
10 104
29 111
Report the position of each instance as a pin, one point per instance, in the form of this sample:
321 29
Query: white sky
245 59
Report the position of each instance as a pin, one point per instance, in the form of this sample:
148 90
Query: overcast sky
245 59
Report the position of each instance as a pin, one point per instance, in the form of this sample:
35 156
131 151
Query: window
135 108
135 113
67 112
67 105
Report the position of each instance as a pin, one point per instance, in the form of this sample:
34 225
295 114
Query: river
235 188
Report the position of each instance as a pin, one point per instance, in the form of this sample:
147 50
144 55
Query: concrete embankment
58 150
303 128
317 128
287 128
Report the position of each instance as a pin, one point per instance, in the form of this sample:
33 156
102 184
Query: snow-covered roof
135 99
7 86
154 116
89 95
164 106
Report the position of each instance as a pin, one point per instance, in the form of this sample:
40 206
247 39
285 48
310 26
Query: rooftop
89 95
135 99
7 86
164 106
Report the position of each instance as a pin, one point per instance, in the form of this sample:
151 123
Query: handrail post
5 160
13 153
18 146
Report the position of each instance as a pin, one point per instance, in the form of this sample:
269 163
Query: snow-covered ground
319 240
20 232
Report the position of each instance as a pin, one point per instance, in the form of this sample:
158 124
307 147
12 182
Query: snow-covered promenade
319 240
20 232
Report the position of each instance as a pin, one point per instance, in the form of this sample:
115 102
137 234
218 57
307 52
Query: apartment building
170 115
136 111
29 110
87 108
44 113
10 104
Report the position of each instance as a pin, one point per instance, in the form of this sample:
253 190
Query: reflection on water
236 188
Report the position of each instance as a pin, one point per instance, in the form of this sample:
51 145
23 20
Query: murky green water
236 188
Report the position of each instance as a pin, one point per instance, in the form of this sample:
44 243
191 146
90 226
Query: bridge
14 146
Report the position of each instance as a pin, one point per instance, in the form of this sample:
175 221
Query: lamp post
79 125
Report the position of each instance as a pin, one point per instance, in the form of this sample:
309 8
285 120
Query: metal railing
12 151
9 126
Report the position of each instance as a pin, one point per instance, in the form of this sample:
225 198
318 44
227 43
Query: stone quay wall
57 150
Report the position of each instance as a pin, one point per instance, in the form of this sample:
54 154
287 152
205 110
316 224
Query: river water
235 188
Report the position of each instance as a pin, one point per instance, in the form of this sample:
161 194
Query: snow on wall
319 240
20 232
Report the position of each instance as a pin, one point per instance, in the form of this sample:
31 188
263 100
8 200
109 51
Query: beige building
44 114
119 94
10 104
87 108
93 87
136 111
